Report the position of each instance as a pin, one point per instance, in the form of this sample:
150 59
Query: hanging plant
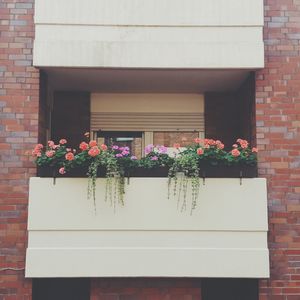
184 179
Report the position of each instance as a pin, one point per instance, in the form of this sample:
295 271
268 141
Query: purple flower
162 149
119 155
125 153
149 148
115 147
126 148
133 157
154 158
121 148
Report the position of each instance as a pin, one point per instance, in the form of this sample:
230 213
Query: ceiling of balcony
150 80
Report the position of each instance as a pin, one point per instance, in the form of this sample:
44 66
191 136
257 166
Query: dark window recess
70 117
61 289
229 289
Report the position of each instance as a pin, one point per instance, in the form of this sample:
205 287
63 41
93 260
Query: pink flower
133 157
254 150
93 143
154 158
63 141
50 153
220 146
162 149
149 149
125 152
200 151
115 147
36 152
176 145
51 144
83 146
103 147
198 140
206 146
94 151
235 152
69 156
244 144
39 146
234 145
87 134
62 170
119 155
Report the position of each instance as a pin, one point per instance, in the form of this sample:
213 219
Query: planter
142 172
223 171
74 173
206 171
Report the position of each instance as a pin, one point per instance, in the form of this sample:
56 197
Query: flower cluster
156 156
120 158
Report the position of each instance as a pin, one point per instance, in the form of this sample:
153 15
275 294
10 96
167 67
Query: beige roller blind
147 112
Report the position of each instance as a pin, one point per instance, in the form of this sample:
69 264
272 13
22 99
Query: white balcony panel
225 237
148 47
188 34
154 12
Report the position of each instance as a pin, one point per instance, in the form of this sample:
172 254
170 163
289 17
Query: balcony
226 236
170 34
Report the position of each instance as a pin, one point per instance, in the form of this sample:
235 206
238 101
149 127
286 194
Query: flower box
223 171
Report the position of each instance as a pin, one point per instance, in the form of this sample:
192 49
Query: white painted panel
134 34
190 55
223 204
147 262
143 239
225 237
154 12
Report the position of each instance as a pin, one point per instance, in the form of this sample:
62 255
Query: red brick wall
278 138
19 98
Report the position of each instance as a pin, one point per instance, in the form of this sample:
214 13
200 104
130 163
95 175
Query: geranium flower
254 150
94 151
69 156
63 141
133 157
162 149
62 170
103 147
200 151
50 153
83 146
93 143
154 158
149 148
176 145
235 152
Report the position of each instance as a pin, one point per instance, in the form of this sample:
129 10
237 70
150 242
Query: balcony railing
226 236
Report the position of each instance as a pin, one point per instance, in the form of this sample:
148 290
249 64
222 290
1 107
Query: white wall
149 34
225 237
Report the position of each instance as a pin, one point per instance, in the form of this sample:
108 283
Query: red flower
83 146
93 143
176 145
69 156
94 151
200 151
103 147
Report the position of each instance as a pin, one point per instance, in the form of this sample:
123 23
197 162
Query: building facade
68 67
